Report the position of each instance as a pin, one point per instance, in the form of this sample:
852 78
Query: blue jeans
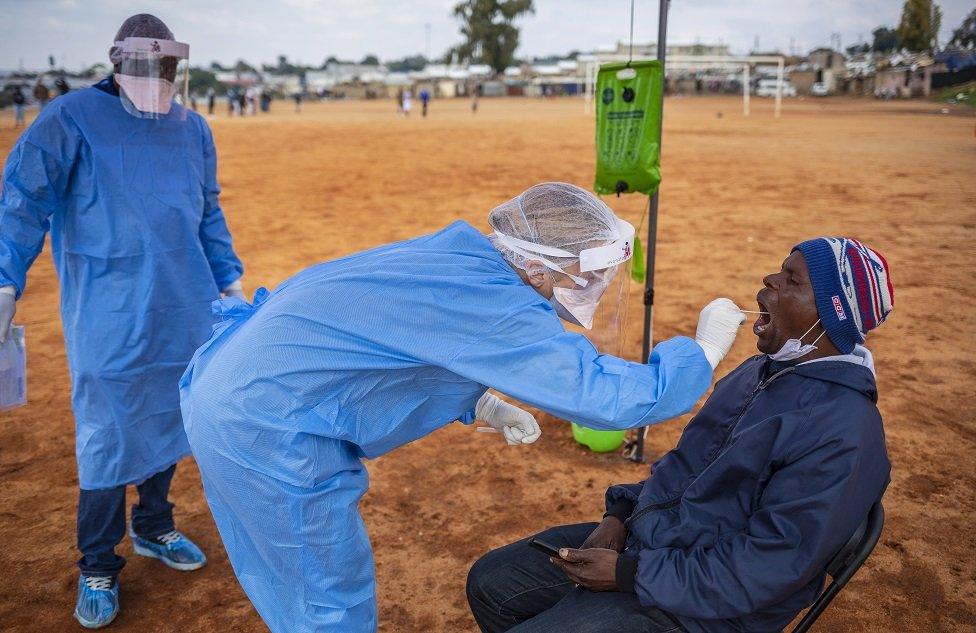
516 588
101 521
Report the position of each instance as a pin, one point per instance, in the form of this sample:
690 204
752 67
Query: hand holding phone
545 548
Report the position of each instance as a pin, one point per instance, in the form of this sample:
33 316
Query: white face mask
152 95
794 348
578 305
563 312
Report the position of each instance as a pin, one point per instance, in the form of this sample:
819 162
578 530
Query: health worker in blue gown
354 357
124 179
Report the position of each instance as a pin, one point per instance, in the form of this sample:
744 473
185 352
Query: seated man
733 529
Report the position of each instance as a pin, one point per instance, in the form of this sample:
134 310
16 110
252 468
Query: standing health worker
354 357
125 180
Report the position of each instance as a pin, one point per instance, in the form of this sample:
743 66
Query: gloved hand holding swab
718 324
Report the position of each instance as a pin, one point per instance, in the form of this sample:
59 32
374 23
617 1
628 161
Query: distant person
475 93
231 102
251 99
62 85
733 529
265 101
399 100
211 101
123 179
407 102
424 100
20 102
298 101
241 102
41 93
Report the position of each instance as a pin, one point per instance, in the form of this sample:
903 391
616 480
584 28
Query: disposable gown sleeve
809 508
214 234
35 179
528 356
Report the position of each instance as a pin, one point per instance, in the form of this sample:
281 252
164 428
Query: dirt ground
737 194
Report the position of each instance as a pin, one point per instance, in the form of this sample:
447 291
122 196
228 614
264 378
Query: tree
202 79
370 60
243 67
284 67
413 62
857 48
919 27
885 40
490 35
965 35
334 60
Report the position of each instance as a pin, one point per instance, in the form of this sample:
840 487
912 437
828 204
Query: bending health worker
354 357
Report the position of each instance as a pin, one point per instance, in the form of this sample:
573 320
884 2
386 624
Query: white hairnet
554 215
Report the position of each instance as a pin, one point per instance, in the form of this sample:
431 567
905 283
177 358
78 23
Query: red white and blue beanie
851 285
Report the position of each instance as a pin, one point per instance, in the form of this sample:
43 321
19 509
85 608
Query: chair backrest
845 563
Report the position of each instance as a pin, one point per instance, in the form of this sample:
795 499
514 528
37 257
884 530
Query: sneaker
98 601
174 549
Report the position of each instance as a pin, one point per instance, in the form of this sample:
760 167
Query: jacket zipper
670 503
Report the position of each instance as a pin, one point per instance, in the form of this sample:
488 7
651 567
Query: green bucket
598 441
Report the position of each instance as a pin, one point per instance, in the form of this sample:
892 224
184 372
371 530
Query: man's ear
537 274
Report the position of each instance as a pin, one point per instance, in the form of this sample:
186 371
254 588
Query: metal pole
745 90
662 37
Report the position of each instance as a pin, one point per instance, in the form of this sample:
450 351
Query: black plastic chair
845 564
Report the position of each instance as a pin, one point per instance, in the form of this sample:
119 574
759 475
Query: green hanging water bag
628 119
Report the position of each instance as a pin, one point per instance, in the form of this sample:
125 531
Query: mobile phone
544 547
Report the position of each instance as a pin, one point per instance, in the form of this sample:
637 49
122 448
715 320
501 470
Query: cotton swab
752 311
486 429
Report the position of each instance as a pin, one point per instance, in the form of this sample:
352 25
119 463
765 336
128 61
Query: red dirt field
737 194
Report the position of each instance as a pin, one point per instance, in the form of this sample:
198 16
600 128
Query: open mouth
764 320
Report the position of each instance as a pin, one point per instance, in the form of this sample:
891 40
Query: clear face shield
151 74
599 305
595 296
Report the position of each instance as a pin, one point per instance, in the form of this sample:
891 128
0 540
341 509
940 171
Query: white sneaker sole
91 625
148 553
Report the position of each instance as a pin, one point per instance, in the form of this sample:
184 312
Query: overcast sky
79 32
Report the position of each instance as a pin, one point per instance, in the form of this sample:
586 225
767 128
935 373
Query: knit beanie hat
852 288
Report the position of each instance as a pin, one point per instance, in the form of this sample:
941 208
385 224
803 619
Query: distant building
824 66
906 76
242 78
287 85
337 74
650 50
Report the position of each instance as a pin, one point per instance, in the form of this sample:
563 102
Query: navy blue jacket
734 528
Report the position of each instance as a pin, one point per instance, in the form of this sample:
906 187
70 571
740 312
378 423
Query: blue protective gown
355 357
141 248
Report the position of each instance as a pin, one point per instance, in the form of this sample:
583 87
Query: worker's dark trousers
101 521
515 588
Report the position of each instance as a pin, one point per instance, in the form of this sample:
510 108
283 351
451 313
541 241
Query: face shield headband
591 259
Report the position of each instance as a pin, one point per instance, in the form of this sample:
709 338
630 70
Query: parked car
767 88
819 89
